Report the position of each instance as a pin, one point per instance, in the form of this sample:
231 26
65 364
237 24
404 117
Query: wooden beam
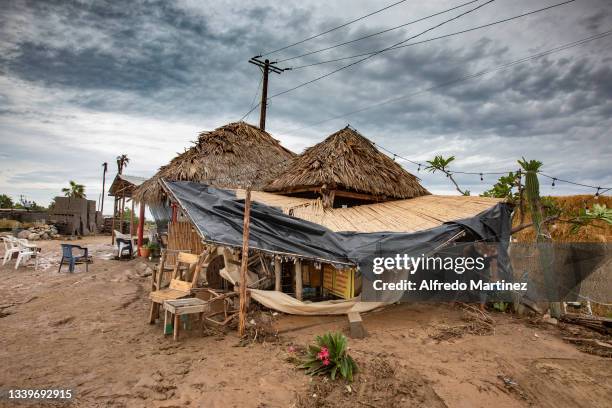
113 223
298 280
359 196
277 274
244 263
141 221
356 329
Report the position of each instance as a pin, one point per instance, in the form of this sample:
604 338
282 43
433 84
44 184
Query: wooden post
298 279
141 221
122 212
113 224
277 274
244 263
174 213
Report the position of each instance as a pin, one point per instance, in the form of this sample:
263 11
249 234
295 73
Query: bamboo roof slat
408 215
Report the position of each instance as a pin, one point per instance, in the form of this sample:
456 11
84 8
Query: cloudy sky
84 81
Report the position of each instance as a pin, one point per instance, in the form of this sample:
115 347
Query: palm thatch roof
124 185
346 164
232 156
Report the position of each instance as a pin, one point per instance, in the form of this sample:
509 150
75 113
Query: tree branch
529 224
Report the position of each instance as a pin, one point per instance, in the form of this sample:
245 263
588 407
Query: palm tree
74 191
122 162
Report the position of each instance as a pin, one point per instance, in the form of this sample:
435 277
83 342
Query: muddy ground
89 332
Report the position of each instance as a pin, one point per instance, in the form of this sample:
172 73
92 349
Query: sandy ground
89 332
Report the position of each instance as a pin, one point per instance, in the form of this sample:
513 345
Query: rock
550 320
23 234
44 236
33 237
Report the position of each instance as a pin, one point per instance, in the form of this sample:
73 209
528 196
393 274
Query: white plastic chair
125 242
10 247
26 252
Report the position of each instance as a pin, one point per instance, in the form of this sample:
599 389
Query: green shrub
329 356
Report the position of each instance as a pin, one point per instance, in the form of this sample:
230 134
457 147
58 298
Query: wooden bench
180 307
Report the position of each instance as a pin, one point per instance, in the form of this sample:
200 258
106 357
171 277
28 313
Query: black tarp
218 216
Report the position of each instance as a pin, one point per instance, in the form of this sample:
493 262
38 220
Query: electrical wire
333 29
253 107
460 79
434 38
380 51
377 33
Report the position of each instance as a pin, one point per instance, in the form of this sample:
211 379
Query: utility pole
266 67
264 96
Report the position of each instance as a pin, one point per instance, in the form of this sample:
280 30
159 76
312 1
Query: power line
434 38
600 190
252 107
229 179
377 33
463 78
332 29
380 51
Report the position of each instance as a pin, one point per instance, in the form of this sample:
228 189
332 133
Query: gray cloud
100 78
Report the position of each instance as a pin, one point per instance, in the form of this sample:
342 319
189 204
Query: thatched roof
232 156
124 185
347 162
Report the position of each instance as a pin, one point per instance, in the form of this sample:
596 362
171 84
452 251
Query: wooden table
178 307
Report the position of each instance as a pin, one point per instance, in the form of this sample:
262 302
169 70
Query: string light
553 183
419 169
481 179
597 193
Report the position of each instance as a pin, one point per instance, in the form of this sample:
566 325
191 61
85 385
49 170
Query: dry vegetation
560 231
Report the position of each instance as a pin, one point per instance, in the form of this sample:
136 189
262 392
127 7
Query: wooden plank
298 280
183 286
277 273
356 329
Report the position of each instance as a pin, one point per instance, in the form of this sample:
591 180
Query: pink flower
291 349
324 352
326 362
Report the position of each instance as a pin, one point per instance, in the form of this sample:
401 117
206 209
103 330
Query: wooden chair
180 286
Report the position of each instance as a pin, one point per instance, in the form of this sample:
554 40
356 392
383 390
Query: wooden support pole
121 212
174 218
277 273
141 221
298 279
244 263
113 223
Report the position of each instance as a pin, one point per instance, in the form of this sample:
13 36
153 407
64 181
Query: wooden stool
178 307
